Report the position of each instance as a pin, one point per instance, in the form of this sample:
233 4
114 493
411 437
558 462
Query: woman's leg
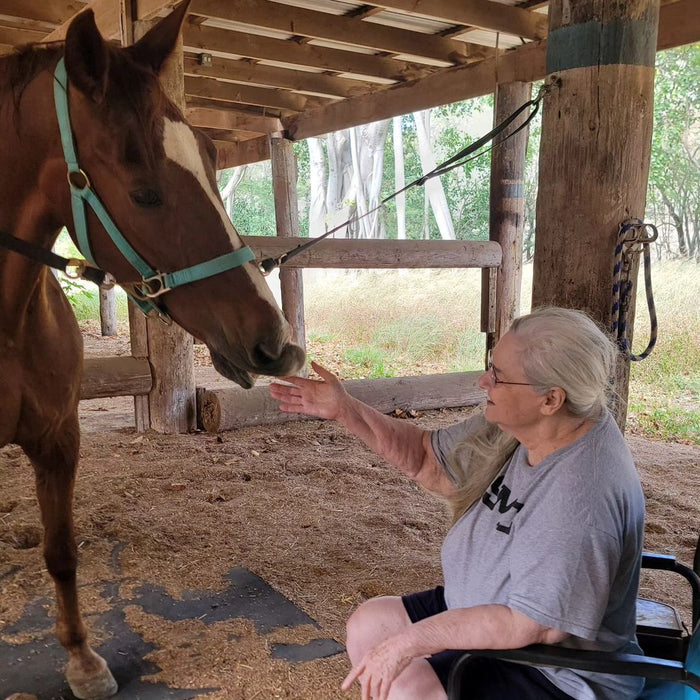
373 622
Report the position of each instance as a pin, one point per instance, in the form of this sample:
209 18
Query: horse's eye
146 198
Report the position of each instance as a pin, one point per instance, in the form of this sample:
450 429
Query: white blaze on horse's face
180 145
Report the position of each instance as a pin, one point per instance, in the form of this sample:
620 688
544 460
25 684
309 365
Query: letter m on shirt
498 495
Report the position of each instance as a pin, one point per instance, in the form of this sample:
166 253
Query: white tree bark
229 190
318 180
399 179
433 187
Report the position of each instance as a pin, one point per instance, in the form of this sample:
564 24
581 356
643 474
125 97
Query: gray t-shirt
560 542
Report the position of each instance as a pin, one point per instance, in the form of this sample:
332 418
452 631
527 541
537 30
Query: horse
120 157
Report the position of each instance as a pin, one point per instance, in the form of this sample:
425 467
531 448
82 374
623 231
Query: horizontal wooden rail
359 253
115 376
228 409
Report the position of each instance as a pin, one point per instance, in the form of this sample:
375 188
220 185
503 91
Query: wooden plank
228 409
524 64
232 120
115 376
343 29
248 94
50 11
477 13
355 253
107 18
245 71
13 36
201 38
252 151
679 24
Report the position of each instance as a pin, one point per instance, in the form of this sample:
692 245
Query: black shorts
487 679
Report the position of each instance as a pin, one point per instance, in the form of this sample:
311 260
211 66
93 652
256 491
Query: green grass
394 323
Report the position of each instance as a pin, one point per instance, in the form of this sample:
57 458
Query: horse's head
155 175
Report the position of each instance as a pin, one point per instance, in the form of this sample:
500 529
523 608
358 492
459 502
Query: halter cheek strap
153 283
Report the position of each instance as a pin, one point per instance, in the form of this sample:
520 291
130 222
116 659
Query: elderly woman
548 521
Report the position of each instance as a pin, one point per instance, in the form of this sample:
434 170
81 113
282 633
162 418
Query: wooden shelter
258 74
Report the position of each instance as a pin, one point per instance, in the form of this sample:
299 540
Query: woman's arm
399 442
480 627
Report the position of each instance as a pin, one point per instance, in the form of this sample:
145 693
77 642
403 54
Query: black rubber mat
37 667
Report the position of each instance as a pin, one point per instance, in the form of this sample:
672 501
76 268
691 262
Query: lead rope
632 239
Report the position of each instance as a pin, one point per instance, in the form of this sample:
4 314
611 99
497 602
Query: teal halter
153 283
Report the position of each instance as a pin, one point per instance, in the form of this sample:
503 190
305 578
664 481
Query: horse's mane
18 69
130 89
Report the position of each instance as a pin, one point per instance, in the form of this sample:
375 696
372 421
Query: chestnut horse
154 176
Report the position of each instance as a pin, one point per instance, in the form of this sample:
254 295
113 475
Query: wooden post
284 185
108 311
507 203
171 401
595 151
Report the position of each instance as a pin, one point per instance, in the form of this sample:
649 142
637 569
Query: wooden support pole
228 409
108 312
507 203
284 186
171 401
595 151
115 376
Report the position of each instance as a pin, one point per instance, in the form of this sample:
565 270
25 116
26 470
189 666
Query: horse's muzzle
262 361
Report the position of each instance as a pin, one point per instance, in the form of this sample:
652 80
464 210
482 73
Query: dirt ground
302 505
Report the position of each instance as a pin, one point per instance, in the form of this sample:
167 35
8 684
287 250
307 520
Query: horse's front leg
55 465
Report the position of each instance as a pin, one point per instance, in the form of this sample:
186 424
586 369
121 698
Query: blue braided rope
622 292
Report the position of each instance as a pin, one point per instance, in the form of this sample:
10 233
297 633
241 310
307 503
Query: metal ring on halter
75 268
155 285
654 233
80 172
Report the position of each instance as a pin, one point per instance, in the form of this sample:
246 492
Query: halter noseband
153 283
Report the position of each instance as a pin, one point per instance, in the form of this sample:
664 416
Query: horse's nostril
264 355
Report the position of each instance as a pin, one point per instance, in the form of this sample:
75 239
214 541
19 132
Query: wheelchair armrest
663 562
562 657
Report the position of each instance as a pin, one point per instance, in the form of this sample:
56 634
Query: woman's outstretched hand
323 398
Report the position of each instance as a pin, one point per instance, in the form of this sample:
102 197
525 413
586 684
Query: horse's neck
30 136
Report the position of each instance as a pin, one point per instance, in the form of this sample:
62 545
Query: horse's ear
159 42
87 57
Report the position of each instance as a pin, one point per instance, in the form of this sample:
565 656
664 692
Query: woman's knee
373 621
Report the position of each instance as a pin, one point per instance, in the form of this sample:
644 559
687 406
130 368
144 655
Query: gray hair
561 348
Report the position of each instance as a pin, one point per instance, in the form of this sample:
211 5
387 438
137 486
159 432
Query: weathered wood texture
594 157
108 312
227 409
284 187
507 203
356 253
115 376
170 348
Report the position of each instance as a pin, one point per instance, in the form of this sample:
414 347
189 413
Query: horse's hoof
98 685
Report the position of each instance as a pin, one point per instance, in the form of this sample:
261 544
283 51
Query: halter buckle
154 286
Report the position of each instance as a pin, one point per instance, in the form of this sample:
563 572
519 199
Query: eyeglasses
496 381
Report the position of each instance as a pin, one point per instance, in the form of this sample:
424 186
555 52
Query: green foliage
253 203
367 361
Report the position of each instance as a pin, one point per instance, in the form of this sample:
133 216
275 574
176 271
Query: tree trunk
318 179
399 180
433 187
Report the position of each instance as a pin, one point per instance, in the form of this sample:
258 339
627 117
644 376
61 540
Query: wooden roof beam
50 11
245 71
312 24
526 63
248 94
483 14
231 120
202 38
229 155
107 18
